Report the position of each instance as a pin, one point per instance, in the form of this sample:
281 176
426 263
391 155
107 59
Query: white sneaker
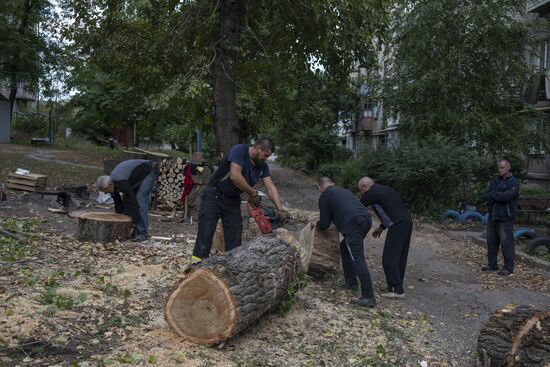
393 295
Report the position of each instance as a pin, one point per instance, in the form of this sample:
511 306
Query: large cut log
514 337
224 294
103 227
325 250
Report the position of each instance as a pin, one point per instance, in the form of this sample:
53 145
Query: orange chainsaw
260 218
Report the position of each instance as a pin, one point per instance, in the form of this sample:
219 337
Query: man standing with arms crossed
393 214
244 166
502 198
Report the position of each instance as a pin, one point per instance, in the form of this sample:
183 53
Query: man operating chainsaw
239 172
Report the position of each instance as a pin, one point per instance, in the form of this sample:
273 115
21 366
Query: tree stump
224 294
103 227
515 336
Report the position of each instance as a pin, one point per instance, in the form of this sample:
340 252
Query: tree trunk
226 127
224 294
103 227
515 336
325 250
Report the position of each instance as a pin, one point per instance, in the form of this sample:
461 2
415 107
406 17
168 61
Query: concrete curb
545 265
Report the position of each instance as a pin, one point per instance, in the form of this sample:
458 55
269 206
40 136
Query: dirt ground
70 303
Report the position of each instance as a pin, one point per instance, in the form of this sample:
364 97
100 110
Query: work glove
282 215
254 200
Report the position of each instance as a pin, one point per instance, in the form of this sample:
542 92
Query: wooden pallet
31 182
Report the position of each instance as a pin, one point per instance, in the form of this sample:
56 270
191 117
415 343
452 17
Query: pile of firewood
170 183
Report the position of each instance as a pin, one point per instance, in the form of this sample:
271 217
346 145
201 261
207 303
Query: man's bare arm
272 192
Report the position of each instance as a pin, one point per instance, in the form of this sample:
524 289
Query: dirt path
443 278
97 305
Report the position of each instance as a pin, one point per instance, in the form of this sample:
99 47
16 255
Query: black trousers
353 257
500 235
395 254
214 206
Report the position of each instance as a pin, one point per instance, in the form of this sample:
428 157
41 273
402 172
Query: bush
332 170
28 125
429 175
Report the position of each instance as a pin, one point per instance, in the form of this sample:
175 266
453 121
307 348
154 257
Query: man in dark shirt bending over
243 167
353 220
393 214
134 178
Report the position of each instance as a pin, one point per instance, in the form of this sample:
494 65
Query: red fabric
187 183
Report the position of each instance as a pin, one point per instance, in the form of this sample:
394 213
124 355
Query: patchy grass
12 249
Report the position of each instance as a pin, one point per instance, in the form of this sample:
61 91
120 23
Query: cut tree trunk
103 227
325 250
224 294
515 336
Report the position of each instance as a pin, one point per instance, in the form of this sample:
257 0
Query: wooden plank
33 176
27 183
29 177
155 154
21 187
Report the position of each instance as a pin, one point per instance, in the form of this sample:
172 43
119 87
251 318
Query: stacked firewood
170 183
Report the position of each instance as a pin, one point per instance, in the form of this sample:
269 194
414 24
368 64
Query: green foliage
160 60
429 175
12 249
457 68
294 286
306 133
31 54
30 125
54 299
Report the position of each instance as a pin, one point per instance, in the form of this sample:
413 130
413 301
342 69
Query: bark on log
515 336
224 294
103 227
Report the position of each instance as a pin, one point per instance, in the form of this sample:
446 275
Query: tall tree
239 53
27 44
457 70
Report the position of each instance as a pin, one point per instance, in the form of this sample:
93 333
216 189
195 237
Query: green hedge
429 175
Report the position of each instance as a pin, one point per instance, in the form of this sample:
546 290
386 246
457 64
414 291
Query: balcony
363 124
538 6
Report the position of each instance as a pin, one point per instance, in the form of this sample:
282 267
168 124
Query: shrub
429 175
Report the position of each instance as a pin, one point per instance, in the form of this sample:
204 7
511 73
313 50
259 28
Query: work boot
366 302
505 272
393 295
488 268
139 238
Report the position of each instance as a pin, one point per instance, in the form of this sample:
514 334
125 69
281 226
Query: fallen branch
9 234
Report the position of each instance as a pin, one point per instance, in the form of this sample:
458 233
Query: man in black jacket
393 214
353 221
502 199
134 178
